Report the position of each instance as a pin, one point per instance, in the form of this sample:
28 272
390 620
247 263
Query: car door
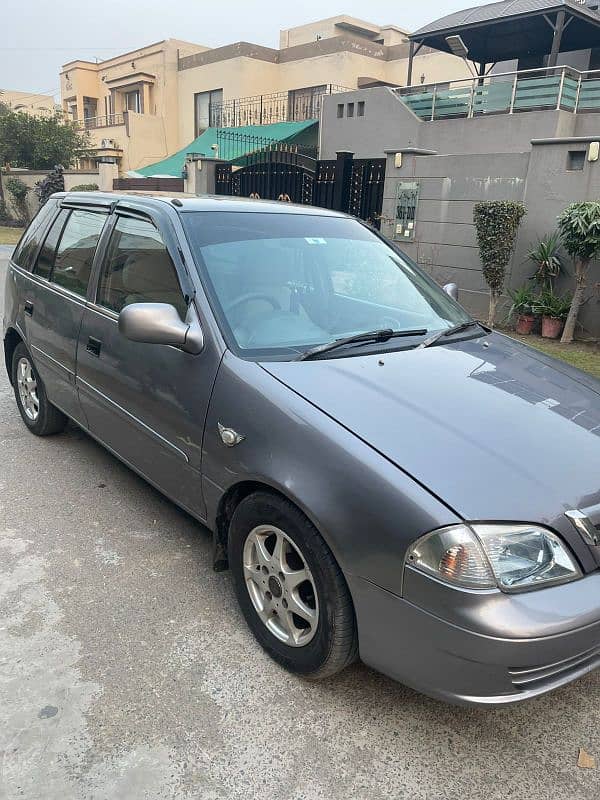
54 301
146 402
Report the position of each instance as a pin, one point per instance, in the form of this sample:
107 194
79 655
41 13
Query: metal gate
269 174
354 186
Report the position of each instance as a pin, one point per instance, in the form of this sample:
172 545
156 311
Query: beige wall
28 102
238 77
325 29
435 66
31 177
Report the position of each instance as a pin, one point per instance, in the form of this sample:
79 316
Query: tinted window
28 246
45 259
75 253
138 269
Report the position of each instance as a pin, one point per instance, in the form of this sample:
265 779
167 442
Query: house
149 103
28 102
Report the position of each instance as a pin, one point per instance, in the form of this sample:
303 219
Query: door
54 302
146 402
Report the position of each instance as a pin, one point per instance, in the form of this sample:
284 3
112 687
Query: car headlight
494 555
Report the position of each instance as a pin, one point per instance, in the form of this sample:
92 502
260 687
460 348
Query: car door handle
94 346
28 308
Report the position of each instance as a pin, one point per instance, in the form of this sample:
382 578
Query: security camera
214 147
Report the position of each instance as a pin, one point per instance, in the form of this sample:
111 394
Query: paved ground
126 671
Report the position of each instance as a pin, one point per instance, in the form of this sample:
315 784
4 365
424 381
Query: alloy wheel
27 386
280 585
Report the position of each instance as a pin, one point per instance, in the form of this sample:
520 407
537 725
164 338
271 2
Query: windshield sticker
314 240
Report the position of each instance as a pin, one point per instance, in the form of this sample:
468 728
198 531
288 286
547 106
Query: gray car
385 477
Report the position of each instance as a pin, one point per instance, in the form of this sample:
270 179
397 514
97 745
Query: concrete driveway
126 670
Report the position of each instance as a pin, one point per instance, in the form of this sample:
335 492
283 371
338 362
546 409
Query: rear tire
37 412
281 565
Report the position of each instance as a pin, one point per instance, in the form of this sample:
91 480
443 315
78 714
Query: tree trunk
581 266
494 297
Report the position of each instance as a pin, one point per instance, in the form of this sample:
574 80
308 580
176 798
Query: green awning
240 141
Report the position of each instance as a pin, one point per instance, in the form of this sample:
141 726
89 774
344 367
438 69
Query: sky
39 36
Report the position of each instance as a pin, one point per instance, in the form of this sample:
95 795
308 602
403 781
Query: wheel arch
11 340
228 503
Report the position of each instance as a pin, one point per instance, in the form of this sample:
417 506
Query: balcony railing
90 123
264 109
506 93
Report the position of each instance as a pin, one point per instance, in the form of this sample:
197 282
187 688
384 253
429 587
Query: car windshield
283 283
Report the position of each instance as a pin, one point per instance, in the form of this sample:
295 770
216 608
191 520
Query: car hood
493 428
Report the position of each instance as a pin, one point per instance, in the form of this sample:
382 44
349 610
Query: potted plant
554 309
523 301
546 259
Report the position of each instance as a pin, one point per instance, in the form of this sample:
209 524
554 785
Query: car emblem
584 526
229 437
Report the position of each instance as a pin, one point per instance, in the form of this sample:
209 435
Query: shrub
18 192
546 259
84 187
579 226
496 223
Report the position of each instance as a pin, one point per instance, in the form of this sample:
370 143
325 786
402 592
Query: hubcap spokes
280 585
27 386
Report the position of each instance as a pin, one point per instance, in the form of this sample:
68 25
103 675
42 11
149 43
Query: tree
496 223
579 226
39 142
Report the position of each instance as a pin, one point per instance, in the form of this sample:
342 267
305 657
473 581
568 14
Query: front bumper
483 664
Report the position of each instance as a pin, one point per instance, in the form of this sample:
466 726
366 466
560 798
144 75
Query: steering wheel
246 298
390 322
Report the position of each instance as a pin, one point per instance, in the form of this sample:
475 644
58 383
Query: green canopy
239 141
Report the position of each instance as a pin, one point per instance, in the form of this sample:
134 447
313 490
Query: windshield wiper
381 335
463 326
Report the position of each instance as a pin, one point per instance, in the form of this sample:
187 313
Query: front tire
37 412
290 588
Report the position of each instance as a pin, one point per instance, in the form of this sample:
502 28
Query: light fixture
457 46
422 79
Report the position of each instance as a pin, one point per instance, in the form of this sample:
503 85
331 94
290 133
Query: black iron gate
345 184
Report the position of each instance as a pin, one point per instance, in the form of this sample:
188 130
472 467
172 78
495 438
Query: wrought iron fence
234 145
296 105
506 93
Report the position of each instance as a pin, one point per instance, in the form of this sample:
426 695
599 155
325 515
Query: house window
350 110
208 110
360 108
575 160
340 110
132 101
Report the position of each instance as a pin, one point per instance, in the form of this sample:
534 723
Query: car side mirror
160 323
452 290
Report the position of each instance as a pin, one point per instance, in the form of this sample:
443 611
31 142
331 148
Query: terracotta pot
525 323
552 327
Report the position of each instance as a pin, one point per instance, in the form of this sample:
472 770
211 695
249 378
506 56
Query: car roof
183 203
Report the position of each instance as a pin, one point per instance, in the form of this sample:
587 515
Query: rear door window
76 249
45 259
26 251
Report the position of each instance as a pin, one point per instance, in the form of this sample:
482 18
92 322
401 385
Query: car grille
537 677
